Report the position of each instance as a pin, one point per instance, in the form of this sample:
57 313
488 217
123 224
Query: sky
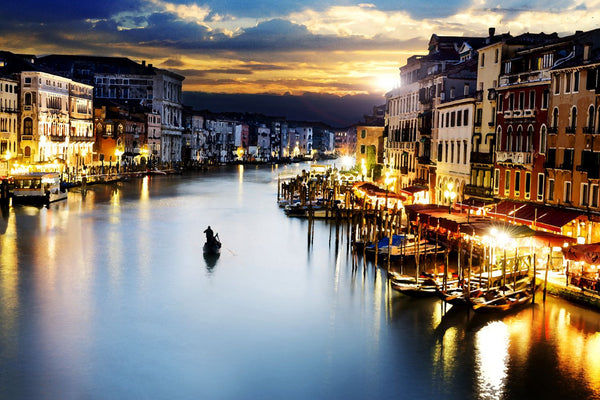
275 47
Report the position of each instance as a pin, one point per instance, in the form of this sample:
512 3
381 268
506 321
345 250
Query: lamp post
450 195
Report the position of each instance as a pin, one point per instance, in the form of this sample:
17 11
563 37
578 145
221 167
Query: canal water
108 296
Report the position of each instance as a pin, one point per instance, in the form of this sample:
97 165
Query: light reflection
491 357
145 193
9 285
240 182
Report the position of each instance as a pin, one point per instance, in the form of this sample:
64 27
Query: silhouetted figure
209 235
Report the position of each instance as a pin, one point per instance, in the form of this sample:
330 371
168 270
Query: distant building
370 148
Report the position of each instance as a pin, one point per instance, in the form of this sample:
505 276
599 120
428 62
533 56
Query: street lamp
450 195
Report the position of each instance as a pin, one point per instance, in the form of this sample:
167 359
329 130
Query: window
27 99
550 189
482 60
496 180
452 152
573 118
506 181
440 150
363 133
466 117
568 82
458 117
567 192
592 79
584 194
531 104
543 139
556 82
452 90
545 99
452 118
527 185
591 119
521 100
555 117
540 187
466 90
478 118
576 81
517 183
27 126
464 152
496 56
362 149
594 196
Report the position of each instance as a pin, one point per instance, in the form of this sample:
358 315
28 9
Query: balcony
481 158
478 191
550 165
553 129
513 157
82 138
57 138
570 130
589 130
523 77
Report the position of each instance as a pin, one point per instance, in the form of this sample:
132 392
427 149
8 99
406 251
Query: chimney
492 31
143 63
149 65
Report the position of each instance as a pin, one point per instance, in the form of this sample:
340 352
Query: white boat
37 188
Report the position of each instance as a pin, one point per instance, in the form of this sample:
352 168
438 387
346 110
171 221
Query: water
108 296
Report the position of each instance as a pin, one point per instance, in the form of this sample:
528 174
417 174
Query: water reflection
110 293
211 261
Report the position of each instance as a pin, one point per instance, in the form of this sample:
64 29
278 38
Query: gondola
213 247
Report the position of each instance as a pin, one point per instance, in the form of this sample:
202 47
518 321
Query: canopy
589 253
550 218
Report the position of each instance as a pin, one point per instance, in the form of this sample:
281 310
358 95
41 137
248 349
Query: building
9 117
370 150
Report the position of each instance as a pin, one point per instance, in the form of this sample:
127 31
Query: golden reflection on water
9 283
491 357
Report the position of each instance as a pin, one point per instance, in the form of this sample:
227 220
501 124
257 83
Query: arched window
27 99
555 117
27 151
27 126
573 118
519 139
499 138
591 119
543 139
509 138
529 139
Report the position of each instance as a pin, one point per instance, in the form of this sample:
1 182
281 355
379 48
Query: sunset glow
263 47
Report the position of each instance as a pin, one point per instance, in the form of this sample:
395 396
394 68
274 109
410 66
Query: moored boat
37 188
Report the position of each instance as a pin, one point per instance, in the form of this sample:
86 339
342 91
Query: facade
370 149
9 117
304 139
154 137
455 123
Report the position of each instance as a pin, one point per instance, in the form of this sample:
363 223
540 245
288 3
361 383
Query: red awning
544 217
589 253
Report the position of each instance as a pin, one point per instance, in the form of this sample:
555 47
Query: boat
423 286
402 245
37 188
504 299
457 296
213 247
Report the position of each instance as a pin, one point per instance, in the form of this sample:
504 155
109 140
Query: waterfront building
448 73
304 138
263 143
153 128
9 117
455 123
401 122
491 57
370 143
573 150
127 82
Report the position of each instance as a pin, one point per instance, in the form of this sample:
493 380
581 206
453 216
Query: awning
411 190
589 253
550 218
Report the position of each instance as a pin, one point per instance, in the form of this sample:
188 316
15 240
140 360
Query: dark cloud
39 11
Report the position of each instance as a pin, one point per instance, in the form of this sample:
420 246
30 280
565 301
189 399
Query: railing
532 76
549 165
570 130
57 138
518 157
565 166
553 129
592 173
